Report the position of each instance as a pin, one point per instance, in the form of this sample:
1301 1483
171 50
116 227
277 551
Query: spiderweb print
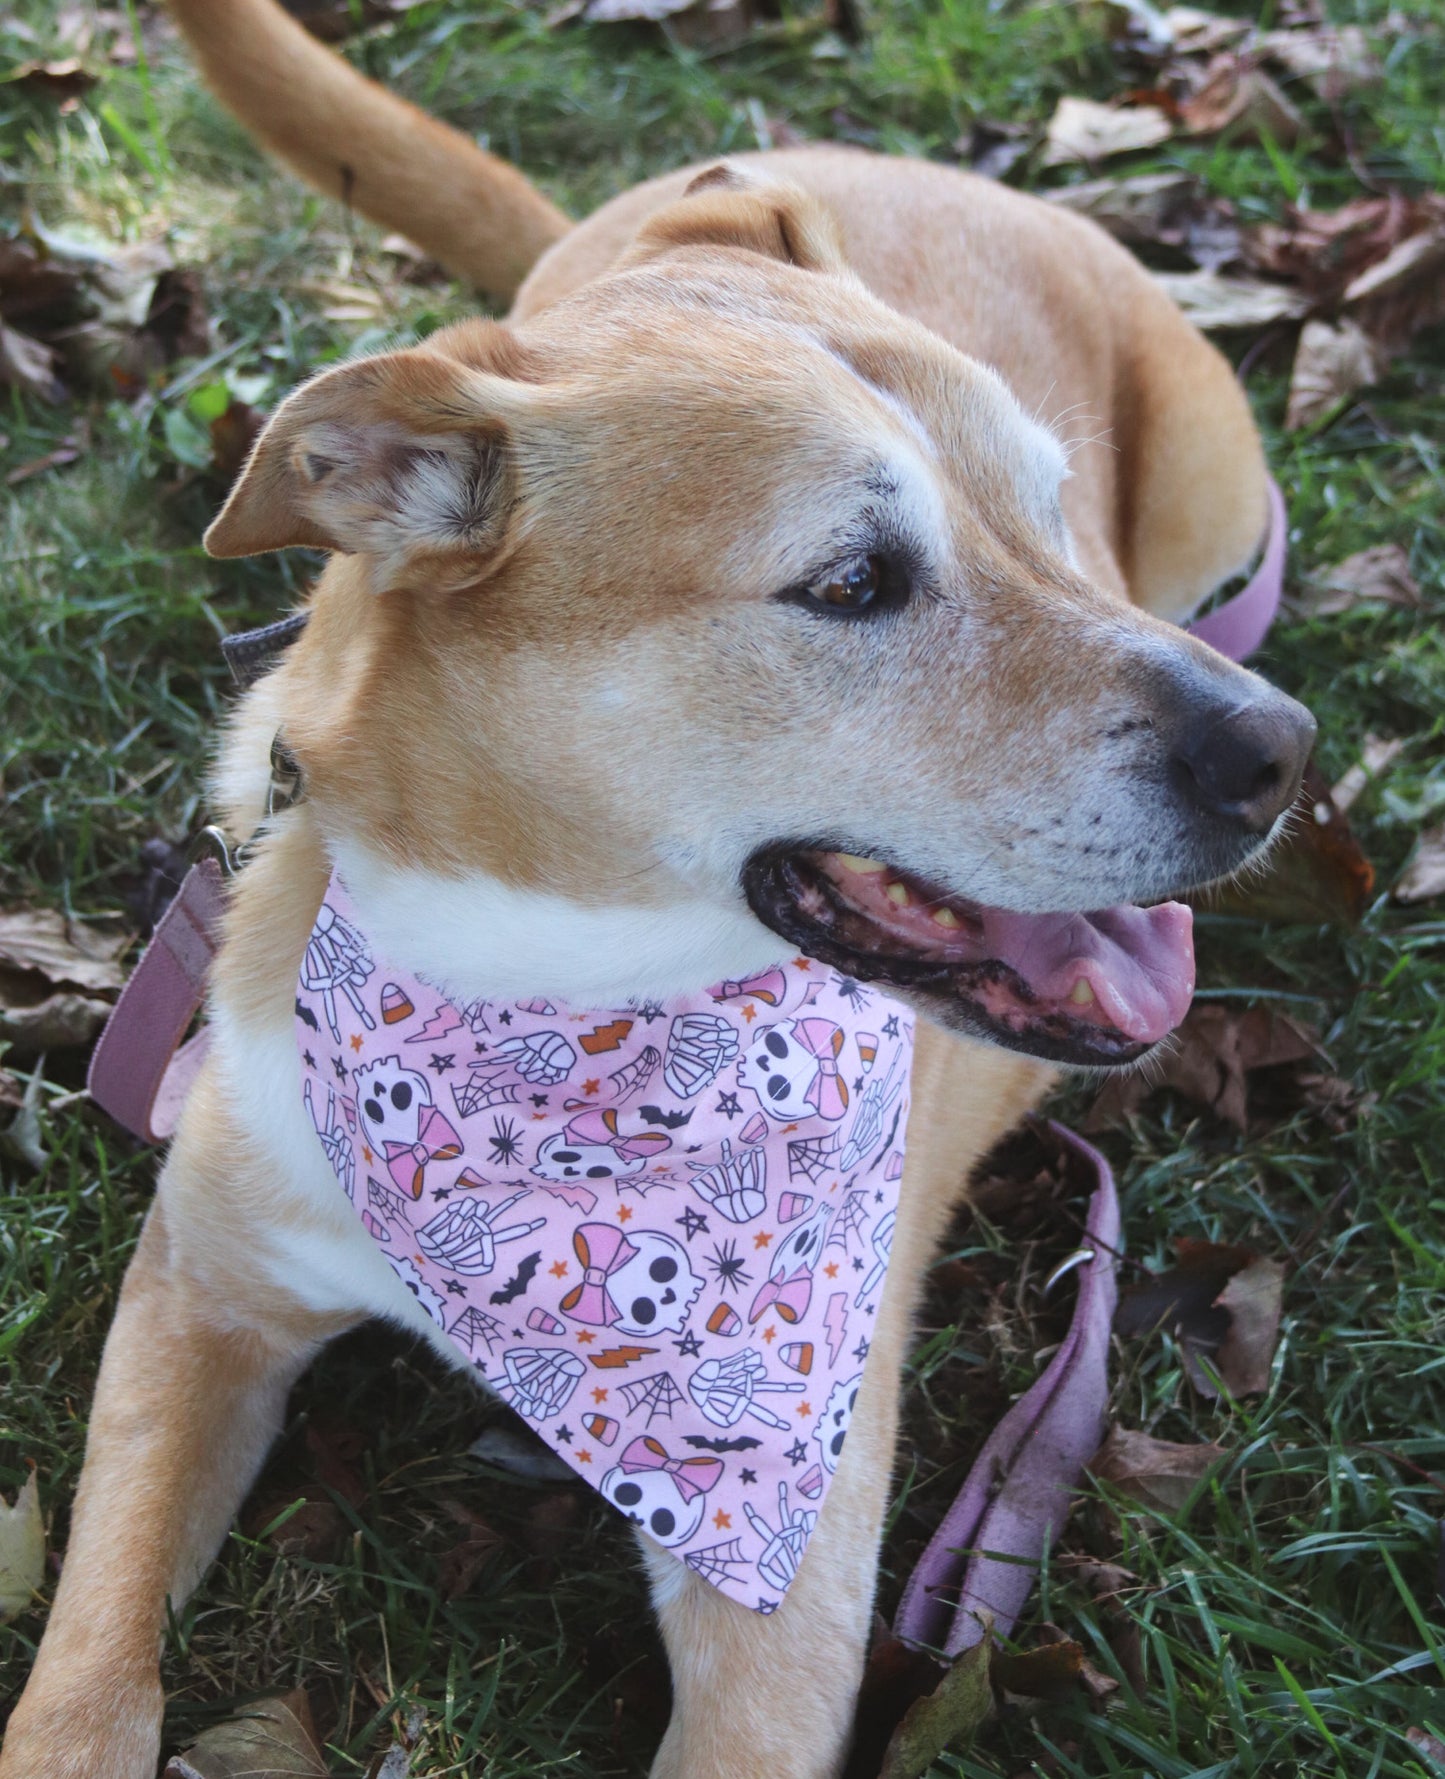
632 1077
715 1562
850 1221
480 1095
390 1206
657 1394
475 1325
810 1158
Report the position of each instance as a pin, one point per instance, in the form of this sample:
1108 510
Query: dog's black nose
1246 765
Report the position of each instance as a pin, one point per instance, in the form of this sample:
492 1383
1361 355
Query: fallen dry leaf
895 1676
22 1550
1252 1300
460 1566
1081 130
1403 292
1316 872
949 1717
1430 1746
272 1739
1331 59
1215 303
992 146
68 80
1158 210
28 365
1052 1671
1215 1051
1331 363
1424 876
1239 97
63 951
1376 754
1324 251
1153 1471
1376 576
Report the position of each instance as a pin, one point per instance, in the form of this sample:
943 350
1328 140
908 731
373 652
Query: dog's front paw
98 1729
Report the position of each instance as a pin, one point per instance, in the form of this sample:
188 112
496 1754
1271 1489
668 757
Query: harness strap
140 1072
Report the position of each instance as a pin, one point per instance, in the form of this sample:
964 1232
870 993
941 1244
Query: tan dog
746 502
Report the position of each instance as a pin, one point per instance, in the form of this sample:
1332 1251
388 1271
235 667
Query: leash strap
984 1557
140 1072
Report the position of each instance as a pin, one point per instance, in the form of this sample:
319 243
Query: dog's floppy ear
730 206
400 457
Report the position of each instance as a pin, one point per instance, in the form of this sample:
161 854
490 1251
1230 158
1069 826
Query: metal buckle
213 842
285 786
1079 1257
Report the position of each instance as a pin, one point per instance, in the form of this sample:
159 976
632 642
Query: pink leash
1016 1497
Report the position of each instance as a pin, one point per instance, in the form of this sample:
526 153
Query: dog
724 604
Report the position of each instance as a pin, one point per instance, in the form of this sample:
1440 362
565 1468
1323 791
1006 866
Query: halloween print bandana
659 1231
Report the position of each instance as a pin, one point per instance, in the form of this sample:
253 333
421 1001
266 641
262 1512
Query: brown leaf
949 1717
67 451
1240 97
1050 1672
1215 1051
1081 130
1215 303
272 1739
1403 292
1158 209
1252 1301
65 952
1330 365
1430 1746
895 1676
28 365
1424 876
1376 754
1380 575
1326 250
460 1566
1153 1471
993 146
66 80
1331 59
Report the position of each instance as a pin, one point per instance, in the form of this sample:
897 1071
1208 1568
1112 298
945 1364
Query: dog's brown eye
854 589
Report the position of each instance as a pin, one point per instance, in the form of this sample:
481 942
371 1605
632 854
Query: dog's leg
772 1697
190 1395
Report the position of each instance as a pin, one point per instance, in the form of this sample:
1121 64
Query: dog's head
723 595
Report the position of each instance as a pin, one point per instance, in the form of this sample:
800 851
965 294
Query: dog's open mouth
1094 989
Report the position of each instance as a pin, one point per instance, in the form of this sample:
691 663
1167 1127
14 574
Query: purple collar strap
1240 625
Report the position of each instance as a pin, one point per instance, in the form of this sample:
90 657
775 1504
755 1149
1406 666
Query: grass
1292 1623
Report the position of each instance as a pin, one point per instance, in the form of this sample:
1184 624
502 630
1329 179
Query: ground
1291 1622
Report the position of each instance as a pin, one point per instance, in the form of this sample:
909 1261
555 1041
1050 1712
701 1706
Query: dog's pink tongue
1137 963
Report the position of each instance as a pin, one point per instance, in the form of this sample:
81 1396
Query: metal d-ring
213 842
1069 1263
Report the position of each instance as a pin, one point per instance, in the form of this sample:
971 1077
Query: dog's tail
355 141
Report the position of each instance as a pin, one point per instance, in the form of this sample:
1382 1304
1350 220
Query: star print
308 1059
599 1394
831 1269
505 1018
440 1064
763 1238
564 1436
340 1068
750 1012
770 1334
890 1026
650 1010
479 1049
584 1457
747 1476
858 1084
356 1041
442 1194
727 1104
519 1334
366 1154
455 1288
558 1269
481 1366
692 1223
689 1346
805 1410
723 1521
797 1453
862 1350
801 963
591 1087
624 1213
857 1265
586 1338
539 1099
868 1309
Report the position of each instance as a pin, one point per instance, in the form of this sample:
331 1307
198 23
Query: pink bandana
659 1232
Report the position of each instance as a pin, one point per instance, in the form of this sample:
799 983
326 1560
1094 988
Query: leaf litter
22 1550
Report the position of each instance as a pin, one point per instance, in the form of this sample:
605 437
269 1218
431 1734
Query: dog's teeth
850 861
897 893
1081 994
945 917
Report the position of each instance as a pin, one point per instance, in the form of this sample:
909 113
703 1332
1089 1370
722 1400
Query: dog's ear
730 206
400 457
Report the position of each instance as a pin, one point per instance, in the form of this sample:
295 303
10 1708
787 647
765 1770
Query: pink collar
661 1232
